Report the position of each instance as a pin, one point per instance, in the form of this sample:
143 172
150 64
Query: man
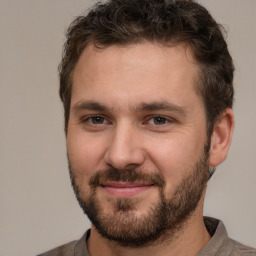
147 93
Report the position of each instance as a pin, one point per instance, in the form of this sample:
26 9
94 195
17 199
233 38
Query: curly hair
167 22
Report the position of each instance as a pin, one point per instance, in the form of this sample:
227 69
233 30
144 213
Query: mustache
126 175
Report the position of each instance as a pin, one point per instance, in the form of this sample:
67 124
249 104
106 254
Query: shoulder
241 249
221 244
77 247
63 250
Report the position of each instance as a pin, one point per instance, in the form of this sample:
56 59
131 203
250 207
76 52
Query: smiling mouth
125 189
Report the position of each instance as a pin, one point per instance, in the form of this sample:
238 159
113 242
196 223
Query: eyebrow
142 107
89 105
158 106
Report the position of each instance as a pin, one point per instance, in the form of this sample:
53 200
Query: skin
123 133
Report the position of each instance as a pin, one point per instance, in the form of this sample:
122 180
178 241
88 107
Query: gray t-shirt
219 245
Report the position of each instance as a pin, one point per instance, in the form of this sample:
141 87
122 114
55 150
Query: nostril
132 159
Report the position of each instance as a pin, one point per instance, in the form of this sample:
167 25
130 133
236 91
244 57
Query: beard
165 217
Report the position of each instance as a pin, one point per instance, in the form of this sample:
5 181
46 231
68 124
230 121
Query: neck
188 241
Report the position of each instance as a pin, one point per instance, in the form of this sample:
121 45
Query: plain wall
38 209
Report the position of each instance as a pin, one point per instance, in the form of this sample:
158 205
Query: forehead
145 71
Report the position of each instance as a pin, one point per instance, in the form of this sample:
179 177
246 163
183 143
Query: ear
221 137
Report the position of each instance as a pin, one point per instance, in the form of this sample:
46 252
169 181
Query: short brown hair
166 22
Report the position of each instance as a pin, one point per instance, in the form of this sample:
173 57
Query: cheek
176 158
85 153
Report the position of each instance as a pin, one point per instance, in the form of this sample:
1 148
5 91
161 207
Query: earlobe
221 137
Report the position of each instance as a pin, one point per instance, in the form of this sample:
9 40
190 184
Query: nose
125 149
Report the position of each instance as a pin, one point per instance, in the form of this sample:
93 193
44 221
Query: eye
95 120
158 120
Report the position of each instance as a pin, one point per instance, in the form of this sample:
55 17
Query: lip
125 189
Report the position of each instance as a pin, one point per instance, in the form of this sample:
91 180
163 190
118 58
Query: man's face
136 140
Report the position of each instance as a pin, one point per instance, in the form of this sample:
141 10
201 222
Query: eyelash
165 120
162 118
87 119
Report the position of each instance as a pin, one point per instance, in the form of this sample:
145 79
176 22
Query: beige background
38 209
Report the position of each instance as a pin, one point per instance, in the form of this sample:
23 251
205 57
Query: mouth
125 189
